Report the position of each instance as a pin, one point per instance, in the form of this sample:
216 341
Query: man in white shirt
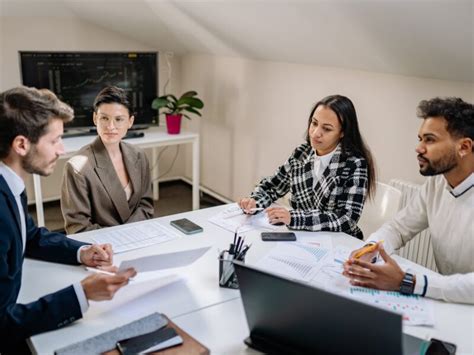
445 205
31 127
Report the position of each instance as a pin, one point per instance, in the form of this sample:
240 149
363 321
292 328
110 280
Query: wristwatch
408 283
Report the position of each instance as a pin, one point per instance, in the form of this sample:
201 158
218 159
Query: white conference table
194 301
154 138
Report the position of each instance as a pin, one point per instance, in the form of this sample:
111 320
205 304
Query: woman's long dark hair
352 142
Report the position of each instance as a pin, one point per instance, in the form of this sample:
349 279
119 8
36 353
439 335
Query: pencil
367 249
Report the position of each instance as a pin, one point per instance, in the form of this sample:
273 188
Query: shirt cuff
420 284
78 255
81 297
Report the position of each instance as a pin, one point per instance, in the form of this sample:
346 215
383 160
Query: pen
239 246
241 255
99 271
367 249
255 209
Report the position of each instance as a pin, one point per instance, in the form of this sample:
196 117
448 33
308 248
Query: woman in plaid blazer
328 176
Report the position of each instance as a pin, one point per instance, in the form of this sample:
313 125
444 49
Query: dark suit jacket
92 195
20 321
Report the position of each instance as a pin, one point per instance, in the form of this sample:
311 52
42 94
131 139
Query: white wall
256 113
71 34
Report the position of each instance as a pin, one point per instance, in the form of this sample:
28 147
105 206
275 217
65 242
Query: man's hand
97 255
370 256
246 204
99 287
383 277
278 215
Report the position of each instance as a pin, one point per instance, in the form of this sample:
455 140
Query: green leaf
159 103
191 101
172 98
189 94
185 115
190 109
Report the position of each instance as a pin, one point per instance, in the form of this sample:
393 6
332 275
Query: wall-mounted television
77 77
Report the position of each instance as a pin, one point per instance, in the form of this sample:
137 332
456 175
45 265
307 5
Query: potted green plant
175 108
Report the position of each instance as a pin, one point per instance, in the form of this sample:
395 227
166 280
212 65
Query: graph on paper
415 310
301 269
318 264
295 260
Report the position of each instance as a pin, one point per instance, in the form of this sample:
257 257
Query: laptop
290 317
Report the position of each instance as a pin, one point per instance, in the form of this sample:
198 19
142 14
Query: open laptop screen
287 316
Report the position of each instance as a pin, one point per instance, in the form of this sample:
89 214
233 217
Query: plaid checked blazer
336 201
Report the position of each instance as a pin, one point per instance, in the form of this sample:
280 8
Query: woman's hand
278 215
247 204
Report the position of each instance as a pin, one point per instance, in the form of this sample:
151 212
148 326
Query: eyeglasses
118 122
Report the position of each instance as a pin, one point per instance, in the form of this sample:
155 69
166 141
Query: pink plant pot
173 123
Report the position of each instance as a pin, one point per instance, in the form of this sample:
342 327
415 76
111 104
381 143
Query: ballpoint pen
367 249
252 210
241 255
255 209
240 244
99 271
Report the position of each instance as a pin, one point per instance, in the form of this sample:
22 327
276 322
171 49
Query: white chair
380 209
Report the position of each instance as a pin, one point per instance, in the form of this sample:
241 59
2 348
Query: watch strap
407 285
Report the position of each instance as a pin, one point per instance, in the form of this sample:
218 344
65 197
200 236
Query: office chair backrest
380 209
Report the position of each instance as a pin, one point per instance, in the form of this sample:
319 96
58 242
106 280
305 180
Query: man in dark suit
31 127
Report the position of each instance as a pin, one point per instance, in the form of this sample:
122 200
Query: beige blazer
92 195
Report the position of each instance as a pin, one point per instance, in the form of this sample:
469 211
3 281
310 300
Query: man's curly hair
458 114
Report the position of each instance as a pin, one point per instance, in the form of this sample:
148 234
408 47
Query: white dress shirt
321 162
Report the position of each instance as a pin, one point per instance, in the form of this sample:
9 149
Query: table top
193 298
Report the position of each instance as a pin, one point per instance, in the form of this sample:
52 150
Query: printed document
298 260
321 265
164 261
133 236
233 218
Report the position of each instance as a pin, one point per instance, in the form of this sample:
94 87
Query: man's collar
14 182
465 185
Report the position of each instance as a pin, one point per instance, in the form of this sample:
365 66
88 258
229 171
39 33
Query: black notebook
157 340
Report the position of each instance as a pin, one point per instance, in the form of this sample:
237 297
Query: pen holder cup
227 276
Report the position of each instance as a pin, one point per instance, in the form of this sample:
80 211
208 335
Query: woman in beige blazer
107 182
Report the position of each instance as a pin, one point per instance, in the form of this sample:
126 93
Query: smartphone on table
278 236
186 226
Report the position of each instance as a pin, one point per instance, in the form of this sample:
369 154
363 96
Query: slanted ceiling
426 38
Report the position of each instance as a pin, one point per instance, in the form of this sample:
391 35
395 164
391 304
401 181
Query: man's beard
28 163
441 166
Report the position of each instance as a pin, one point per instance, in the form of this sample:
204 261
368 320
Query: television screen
77 77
